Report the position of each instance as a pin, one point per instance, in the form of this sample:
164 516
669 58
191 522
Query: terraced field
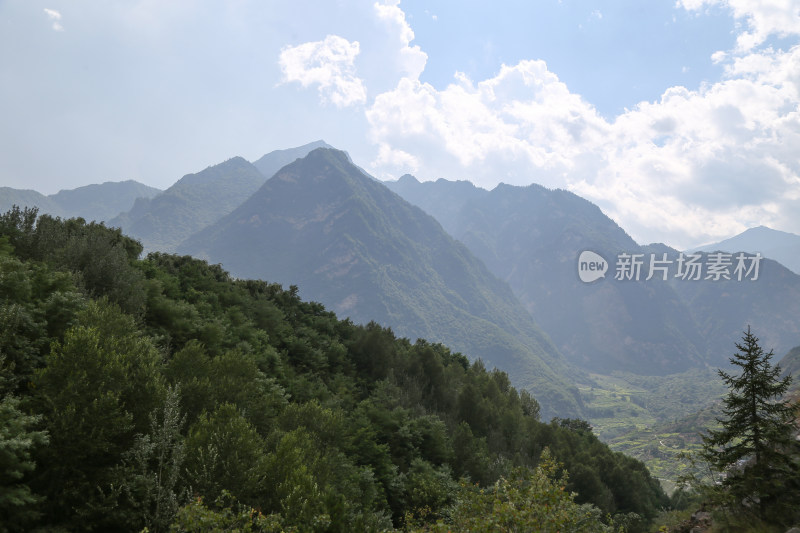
655 419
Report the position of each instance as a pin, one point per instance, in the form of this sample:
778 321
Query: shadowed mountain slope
350 243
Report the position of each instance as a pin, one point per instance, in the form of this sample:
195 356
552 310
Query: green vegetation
754 454
656 419
193 202
350 243
162 393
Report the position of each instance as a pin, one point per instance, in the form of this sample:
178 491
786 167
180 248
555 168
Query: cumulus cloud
329 64
695 166
412 58
763 18
521 123
55 17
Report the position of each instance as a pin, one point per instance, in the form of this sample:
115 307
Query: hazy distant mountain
272 162
723 309
104 201
197 200
27 198
532 237
350 243
781 246
790 366
192 203
443 199
92 202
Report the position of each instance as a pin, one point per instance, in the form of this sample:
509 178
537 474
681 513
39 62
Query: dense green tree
225 452
18 439
95 393
318 423
154 465
524 501
755 451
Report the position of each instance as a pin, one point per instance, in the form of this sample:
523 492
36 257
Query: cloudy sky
681 119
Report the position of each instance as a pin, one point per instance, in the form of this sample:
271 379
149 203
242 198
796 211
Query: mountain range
349 242
532 238
98 202
781 246
493 274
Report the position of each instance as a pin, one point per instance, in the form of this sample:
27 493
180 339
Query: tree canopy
754 451
163 393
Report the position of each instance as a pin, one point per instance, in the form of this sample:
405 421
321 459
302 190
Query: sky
679 118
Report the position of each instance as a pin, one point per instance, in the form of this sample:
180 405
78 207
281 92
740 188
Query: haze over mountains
197 200
350 243
99 202
778 245
531 237
490 273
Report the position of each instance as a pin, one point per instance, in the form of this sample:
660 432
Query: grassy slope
654 419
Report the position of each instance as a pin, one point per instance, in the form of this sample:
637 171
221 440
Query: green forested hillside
162 393
193 202
349 242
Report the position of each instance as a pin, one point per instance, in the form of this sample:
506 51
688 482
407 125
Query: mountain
349 242
532 237
98 202
192 203
272 162
102 202
197 200
790 366
723 309
28 198
778 245
443 199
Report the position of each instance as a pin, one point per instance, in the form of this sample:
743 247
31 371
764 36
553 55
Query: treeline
162 393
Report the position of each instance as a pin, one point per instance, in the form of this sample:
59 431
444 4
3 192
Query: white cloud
695 166
330 64
412 58
521 122
54 16
763 18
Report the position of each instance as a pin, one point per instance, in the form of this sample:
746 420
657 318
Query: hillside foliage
163 393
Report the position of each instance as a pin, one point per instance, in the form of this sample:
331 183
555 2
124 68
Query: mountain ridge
781 246
352 244
94 202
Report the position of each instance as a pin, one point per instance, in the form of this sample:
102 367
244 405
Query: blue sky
681 119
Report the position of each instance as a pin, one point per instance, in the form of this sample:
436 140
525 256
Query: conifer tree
755 450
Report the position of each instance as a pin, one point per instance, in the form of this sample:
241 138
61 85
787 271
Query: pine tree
755 450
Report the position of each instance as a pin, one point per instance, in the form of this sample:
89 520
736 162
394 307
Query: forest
162 393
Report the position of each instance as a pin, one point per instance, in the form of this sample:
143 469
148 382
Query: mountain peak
782 246
272 162
407 178
349 242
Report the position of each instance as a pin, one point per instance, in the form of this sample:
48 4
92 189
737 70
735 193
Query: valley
656 419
